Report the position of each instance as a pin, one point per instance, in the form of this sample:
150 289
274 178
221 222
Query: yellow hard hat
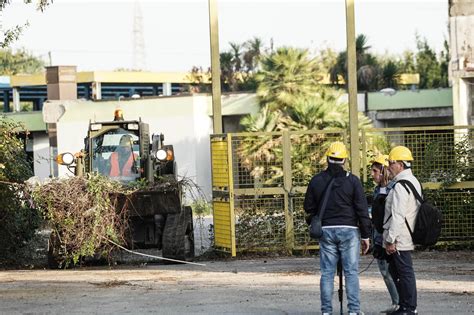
337 150
381 159
400 153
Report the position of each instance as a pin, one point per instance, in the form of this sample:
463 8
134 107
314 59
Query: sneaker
356 313
404 312
391 309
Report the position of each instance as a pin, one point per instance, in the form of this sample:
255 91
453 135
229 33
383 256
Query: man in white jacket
401 208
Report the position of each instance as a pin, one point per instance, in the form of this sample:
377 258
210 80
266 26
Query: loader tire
178 236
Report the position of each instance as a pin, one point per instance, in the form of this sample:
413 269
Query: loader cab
116 154
117 149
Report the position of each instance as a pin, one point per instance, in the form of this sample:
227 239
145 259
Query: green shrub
17 220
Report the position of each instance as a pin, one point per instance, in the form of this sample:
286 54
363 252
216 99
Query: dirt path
260 286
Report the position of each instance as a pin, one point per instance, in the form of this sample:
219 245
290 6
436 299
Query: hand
365 246
390 248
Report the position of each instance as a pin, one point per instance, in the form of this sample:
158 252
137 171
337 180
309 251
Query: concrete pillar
96 90
167 89
61 83
461 101
16 99
6 101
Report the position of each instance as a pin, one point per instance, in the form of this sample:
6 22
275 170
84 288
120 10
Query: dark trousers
401 270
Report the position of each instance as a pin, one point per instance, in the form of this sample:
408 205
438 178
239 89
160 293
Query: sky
98 35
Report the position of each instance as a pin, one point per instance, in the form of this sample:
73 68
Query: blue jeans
387 278
383 267
340 243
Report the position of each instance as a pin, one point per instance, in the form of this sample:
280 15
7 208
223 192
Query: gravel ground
287 285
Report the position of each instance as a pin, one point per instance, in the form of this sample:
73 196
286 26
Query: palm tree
390 74
361 49
227 71
235 50
252 56
287 74
320 111
367 66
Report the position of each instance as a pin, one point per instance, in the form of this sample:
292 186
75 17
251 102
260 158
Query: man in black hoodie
346 212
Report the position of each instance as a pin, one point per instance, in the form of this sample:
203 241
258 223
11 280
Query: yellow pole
352 87
215 67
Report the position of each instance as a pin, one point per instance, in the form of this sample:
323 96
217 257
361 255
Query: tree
252 55
20 62
427 65
408 64
444 64
367 66
262 156
327 58
17 220
200 80
227 71
390 74
12 34
235 50
286 75
238 68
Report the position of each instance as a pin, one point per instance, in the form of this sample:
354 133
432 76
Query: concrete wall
461 67
41 160
184 121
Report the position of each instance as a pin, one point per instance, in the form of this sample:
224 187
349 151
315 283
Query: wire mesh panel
441 154
302 239
262 178
257 160
260 223
458 212
443 162
307 153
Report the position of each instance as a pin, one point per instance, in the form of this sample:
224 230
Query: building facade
461 67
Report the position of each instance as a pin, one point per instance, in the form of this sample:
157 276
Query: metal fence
259 181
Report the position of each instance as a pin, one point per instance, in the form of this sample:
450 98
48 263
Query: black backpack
429 220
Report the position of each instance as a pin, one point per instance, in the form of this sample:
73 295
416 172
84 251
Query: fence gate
222 193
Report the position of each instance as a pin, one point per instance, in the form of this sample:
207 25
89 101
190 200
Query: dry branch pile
83 216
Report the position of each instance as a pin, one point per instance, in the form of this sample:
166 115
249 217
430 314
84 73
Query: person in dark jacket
346 213
381 176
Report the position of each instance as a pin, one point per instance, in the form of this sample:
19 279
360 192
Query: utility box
61 82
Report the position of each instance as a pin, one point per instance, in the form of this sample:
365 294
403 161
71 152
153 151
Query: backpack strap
325 200
327 192
406 183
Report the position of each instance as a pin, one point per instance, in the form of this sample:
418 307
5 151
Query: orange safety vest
115 166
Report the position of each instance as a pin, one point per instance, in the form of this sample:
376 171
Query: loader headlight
161 155
65 158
